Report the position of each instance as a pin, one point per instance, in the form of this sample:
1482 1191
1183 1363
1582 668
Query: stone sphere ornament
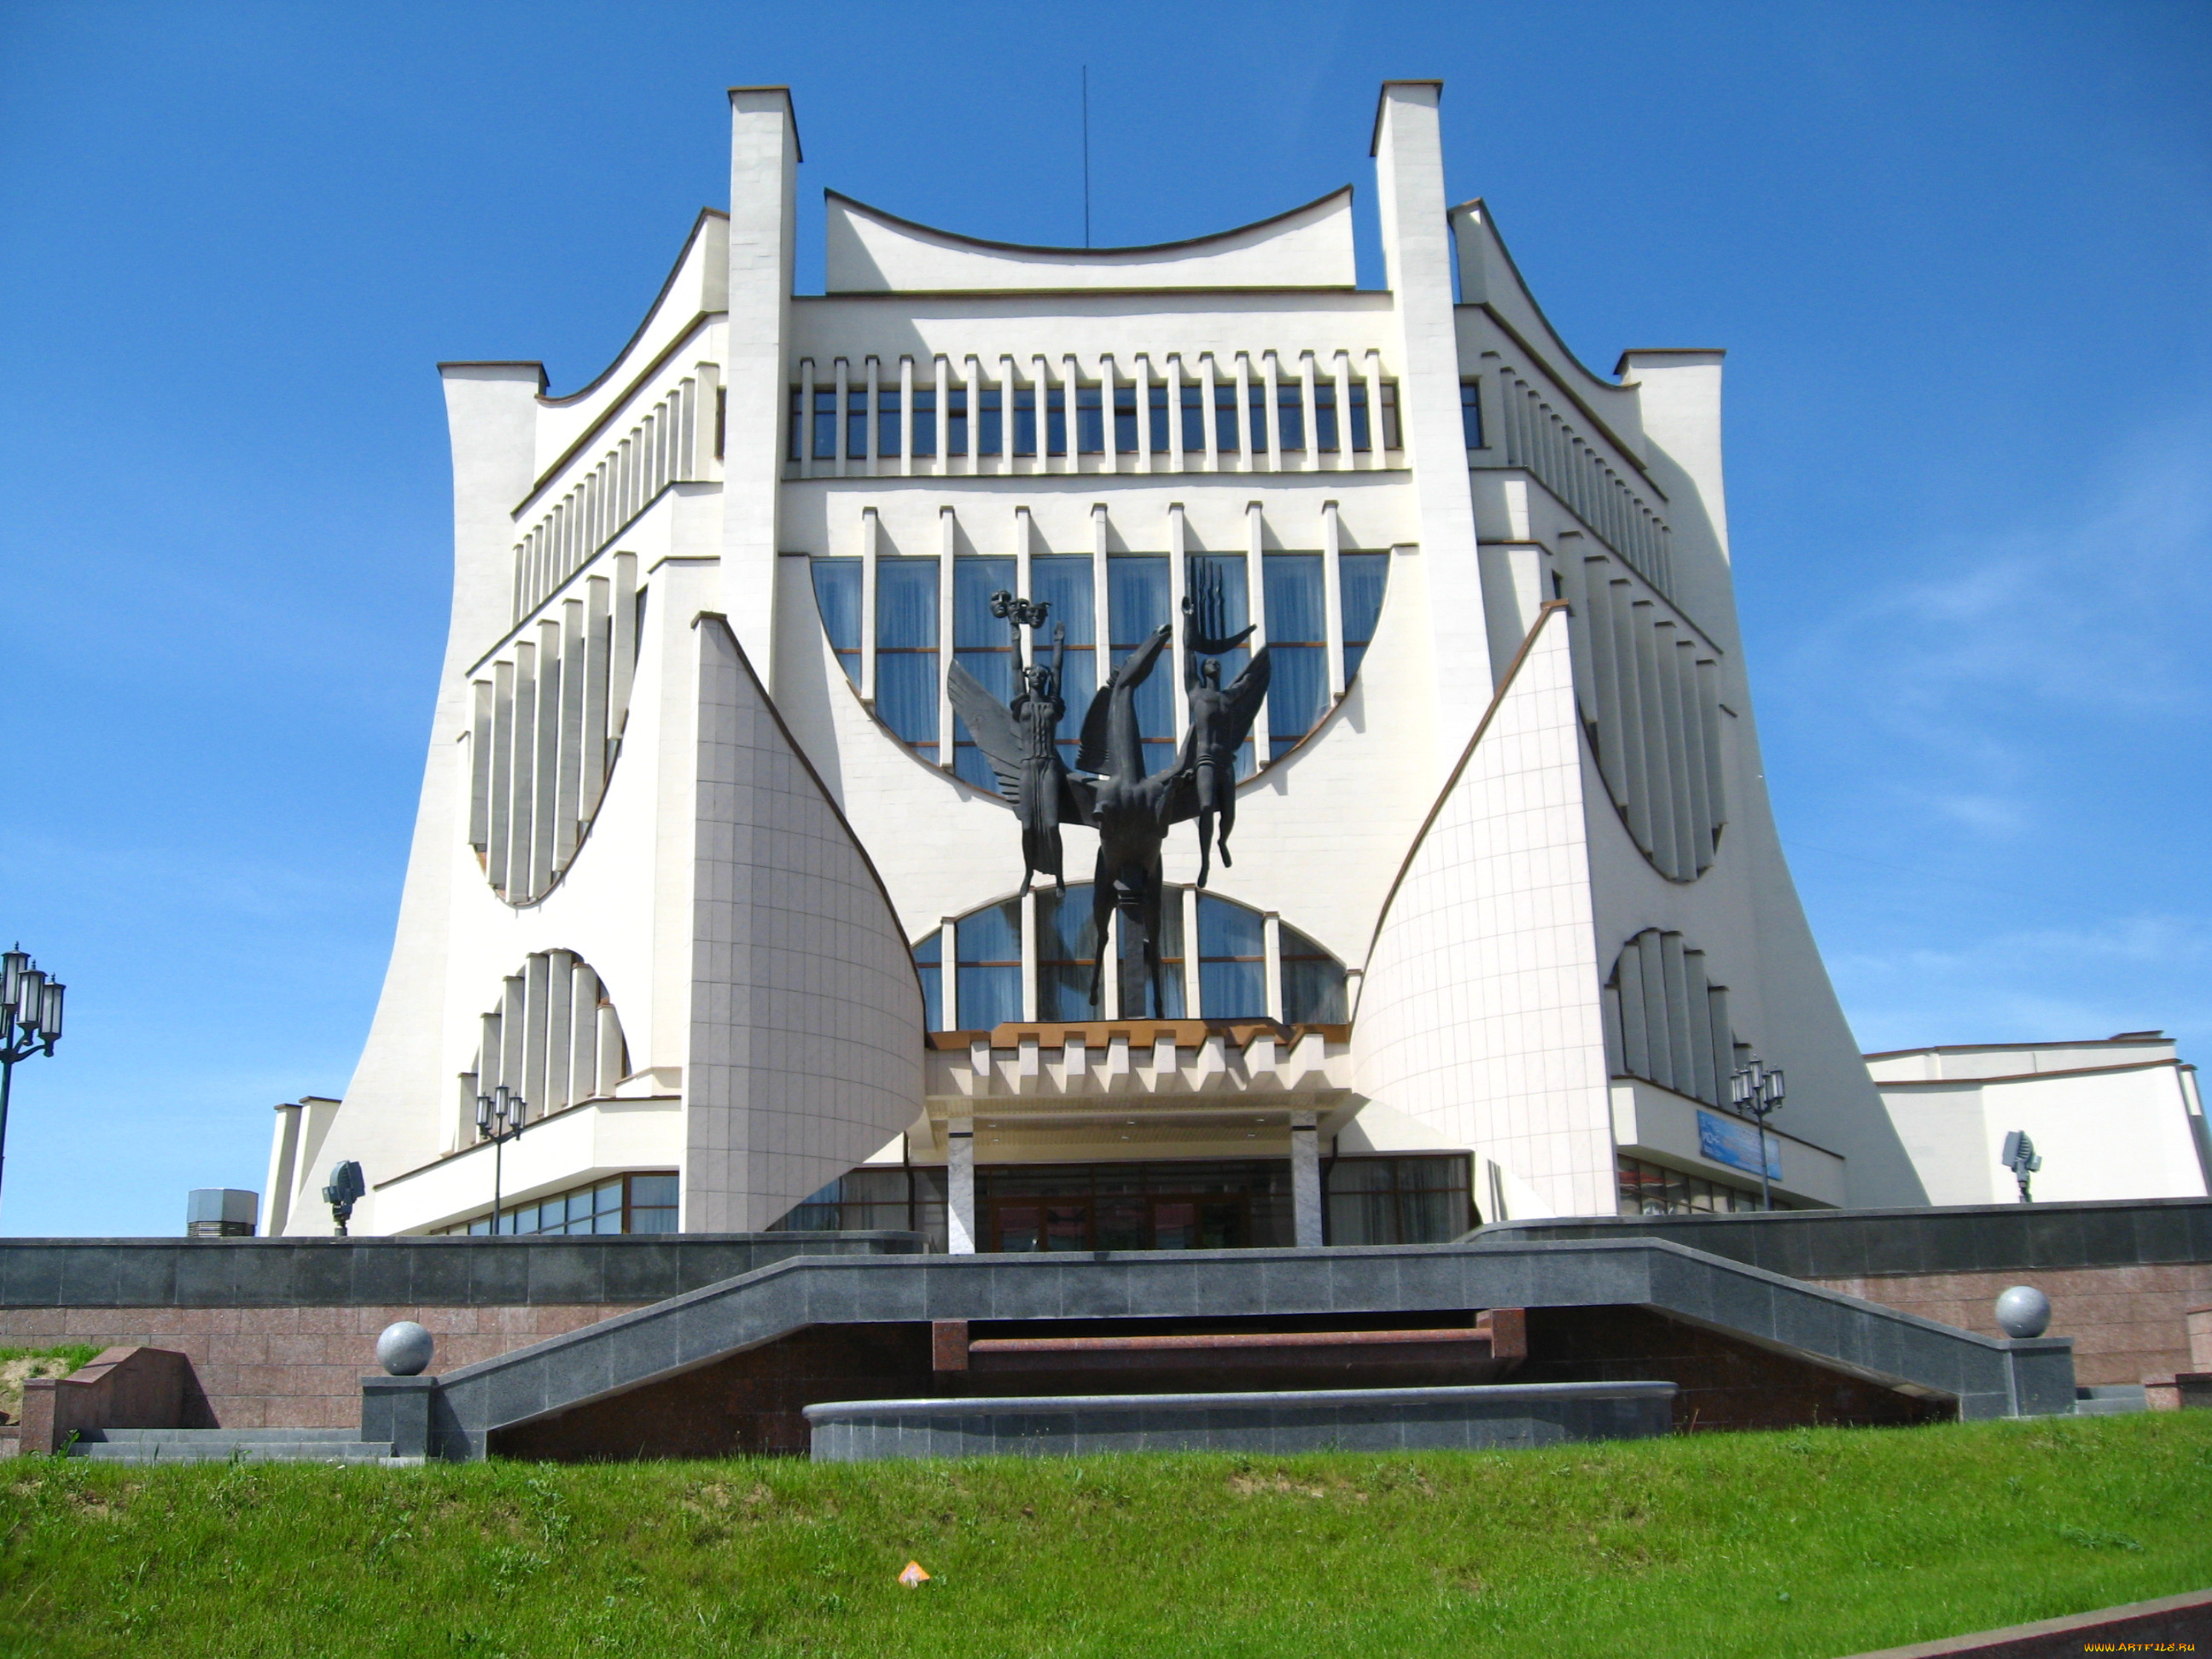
2023 1310
404 1350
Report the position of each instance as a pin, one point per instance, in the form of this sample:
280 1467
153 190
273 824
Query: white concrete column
944 369
1173 378
1272 371
1109 452
868 422
1005 413
1109 977
1343 458
1028 904
597 663
1190 975
622 669
1305 1181
1249 442
1178 586
1270 933
948 541
974 390
1332 595
1024 541
960 1187
1073 372
906 417
806 417
568 801
1255 590
843 425
1309 397
1418 256
1210 393
1140 371
1041 373
948 971
870 537
1100 609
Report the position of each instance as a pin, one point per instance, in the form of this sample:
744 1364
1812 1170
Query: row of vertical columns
672 443
554 1039
1255 451
546 724
1666 1021
1573 469
1654 690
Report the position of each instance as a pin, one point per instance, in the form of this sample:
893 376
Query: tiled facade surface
806 1017
2127 1322
1480 1015
296 1367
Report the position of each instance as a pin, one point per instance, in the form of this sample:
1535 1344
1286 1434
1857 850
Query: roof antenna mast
1086 155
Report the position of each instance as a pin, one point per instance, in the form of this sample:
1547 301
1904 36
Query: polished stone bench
1477 1417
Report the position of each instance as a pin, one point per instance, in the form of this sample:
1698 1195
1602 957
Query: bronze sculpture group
1108 789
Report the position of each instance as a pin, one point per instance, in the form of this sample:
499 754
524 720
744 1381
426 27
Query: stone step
123 1437
2110 1399
221 1446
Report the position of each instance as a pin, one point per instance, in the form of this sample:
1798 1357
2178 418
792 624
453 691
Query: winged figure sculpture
1133 810
1020 739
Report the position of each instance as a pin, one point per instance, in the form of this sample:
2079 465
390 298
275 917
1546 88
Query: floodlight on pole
2021 1158
30 1023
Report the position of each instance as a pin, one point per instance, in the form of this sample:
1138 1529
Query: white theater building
706 871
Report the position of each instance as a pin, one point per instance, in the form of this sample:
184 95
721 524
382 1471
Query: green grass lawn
1809 1543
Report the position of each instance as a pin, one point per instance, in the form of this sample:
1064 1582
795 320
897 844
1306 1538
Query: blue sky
1960 256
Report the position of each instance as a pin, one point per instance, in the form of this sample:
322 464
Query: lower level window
622 1204
881 1197
1397 1200
1648 1189
1201 1205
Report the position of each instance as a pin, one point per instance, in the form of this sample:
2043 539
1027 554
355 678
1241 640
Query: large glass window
795 427
837 597
1291 405
925 420
929 967
1063 581
1170 953
1068 946
906 651
1257 391
1090 421
1136 603
1224 416
1193 421
983 644
1297 648
1313 982
856 421
1397 1200
989 982
825 423
1648 1190
1470 412
1156 411
1195 1205
620 1204
990 422
1220 584
887 421
1055 420
1325 430
1026 420
1124 420
1232 961
875 1198
955 422
1361 578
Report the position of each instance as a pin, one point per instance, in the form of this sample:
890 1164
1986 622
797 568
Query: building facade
712 872
2116 1117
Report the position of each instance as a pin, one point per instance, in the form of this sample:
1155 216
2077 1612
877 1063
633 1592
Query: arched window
1245 960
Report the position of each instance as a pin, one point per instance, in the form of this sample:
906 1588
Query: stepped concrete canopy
710 870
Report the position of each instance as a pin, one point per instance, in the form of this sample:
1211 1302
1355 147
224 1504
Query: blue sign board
1732 1141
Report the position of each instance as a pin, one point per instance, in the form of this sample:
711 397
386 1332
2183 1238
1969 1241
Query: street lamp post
2021 1158
1759 1089
499 1117
30 1023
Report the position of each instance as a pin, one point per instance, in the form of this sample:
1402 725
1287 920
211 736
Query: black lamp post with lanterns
498 1120
30 1022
